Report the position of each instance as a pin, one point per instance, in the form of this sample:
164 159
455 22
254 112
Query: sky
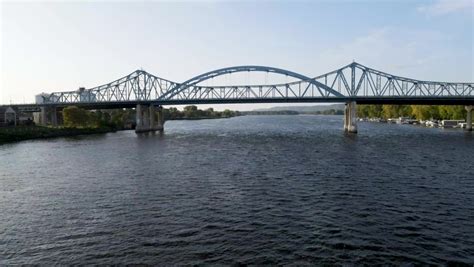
61 46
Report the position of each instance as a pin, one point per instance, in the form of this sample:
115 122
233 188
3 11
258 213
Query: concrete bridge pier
350 117
143 119
149 118
48 116
156 118
469 118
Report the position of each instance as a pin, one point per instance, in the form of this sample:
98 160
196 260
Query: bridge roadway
351 84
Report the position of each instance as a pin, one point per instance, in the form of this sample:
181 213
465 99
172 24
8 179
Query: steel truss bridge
351 83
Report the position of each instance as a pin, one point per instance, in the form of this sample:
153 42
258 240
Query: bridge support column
350 117
54 116
43 116
142 118
48 116
156 118
149 118
469 118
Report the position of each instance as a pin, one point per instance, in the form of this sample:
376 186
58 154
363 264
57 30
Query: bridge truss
353 82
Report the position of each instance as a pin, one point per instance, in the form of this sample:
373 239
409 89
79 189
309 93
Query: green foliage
209 112
375 110
395 111
452 112
227 113
329 112
419 112
423 112
172 113
192 112
123 118
80 118
370 111
190 108
75 117
120 118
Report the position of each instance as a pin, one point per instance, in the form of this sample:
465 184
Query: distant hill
270 112
303 109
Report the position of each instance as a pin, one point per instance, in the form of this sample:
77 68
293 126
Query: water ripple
255 190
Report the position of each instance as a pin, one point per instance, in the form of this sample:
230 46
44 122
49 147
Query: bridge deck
360 100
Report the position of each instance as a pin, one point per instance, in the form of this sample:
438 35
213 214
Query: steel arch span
212 74
353 82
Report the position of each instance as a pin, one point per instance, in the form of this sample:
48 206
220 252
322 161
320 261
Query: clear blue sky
56 46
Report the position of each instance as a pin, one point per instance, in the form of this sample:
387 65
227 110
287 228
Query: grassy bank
14 134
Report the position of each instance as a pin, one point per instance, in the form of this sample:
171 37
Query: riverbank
20 133
461 124
200 118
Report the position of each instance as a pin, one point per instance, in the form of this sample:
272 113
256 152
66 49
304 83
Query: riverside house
7 116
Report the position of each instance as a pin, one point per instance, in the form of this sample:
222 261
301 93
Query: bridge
351 84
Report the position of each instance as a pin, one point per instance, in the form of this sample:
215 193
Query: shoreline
15 134
200 118
441 124
23 133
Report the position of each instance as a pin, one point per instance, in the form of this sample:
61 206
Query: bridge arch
215 73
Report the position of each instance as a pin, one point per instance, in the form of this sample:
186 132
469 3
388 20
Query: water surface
260 190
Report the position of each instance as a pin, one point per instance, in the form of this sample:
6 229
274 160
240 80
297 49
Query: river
261 190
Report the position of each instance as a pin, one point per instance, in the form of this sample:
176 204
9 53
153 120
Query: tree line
419 112
124 118
328 112
192 112
77 117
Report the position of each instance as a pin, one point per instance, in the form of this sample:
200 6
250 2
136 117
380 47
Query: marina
455 124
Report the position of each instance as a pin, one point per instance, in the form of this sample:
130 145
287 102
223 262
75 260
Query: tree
452 112
389 111
190 111
106 118
422 112
93 118
363 111
209 112
227 113
375 111
75 117
394 111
